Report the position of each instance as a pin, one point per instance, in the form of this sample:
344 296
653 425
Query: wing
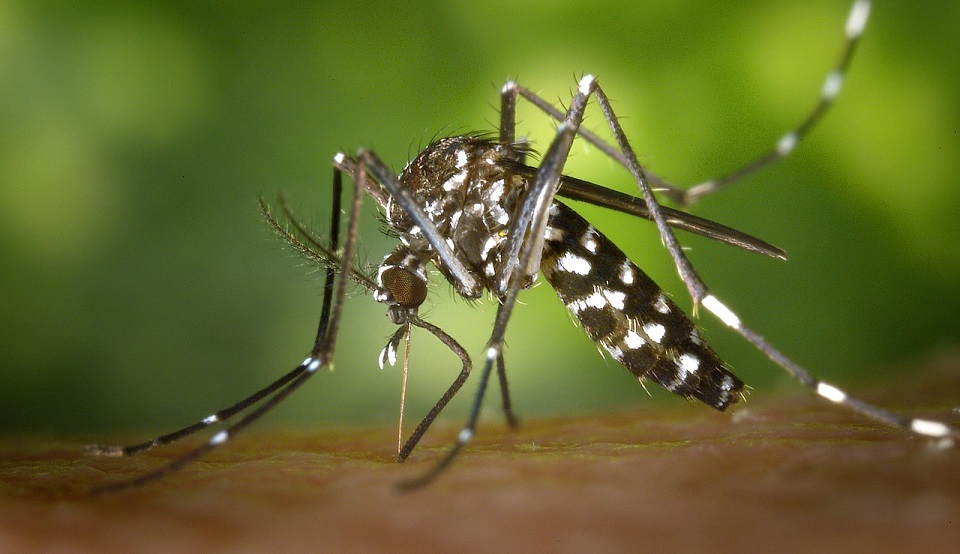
592 193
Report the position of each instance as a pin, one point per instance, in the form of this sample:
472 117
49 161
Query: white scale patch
588 240
787 143
831 85
688 364
655 331
455 182
571 263
383 269
586 83
501 215
661 304
929 428
858 18
496 190
633 340
726 385
461 158
615 352
553 234
491 243
720 310
627 275
388 356
616 298
596 300
831 393
312 363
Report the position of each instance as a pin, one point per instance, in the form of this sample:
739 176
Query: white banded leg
218 417
321 356
832 83
524 243
924 427
701 296
316 250
853 30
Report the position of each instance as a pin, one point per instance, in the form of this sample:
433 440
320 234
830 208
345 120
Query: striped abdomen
627 313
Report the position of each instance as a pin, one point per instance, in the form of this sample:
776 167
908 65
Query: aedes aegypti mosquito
471 206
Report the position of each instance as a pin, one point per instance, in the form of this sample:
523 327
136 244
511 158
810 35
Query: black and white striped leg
455 347
225 414
924 427
321 356
702 297
855 25
218 417
461 277
524 247
316 250
466 434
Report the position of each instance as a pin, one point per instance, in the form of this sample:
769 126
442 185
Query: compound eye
406 287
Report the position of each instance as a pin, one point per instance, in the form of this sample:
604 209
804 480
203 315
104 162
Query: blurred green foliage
140 289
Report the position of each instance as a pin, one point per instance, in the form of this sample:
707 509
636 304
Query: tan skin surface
784 474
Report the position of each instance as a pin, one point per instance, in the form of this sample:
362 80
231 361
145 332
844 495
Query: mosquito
490 223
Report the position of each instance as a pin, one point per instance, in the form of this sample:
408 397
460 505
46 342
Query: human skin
784 472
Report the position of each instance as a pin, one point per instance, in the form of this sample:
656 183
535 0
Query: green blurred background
141 290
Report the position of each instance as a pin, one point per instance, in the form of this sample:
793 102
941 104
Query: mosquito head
401 284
